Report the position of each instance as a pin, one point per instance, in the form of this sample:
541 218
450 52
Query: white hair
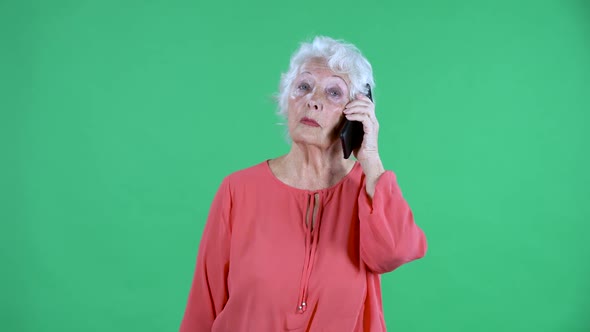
341 58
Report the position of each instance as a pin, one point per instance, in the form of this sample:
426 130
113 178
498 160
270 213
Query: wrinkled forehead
320 66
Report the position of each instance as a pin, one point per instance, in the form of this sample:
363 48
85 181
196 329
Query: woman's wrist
373 169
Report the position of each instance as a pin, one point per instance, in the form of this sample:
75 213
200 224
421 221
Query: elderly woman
298 243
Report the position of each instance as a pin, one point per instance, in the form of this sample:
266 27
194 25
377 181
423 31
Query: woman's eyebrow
343 80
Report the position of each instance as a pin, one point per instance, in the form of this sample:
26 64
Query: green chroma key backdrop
121 118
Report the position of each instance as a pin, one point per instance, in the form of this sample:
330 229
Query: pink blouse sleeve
388 235
209 292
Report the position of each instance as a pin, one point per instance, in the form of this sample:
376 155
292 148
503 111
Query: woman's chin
311 139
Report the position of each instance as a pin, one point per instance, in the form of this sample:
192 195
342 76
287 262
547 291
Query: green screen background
119 120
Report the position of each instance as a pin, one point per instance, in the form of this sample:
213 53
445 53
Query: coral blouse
276 258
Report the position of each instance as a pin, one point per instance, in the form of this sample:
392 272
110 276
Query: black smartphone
352 132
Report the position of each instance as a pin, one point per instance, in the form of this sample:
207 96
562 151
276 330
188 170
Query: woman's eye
334 93
304 87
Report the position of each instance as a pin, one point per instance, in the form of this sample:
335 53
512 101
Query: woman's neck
310 167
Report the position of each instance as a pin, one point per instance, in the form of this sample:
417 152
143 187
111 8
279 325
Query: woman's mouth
309 122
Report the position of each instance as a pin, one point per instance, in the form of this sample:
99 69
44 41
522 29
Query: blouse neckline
307 191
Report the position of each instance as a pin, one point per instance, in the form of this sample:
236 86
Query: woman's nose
314 102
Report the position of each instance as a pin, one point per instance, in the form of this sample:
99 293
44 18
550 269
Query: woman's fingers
358 110
369 124
361 117
365 113
360 103
362 109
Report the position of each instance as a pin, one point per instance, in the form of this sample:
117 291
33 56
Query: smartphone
352 132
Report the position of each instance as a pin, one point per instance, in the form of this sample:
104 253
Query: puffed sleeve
388 235
209 293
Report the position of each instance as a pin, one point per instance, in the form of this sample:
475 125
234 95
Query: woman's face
316 101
